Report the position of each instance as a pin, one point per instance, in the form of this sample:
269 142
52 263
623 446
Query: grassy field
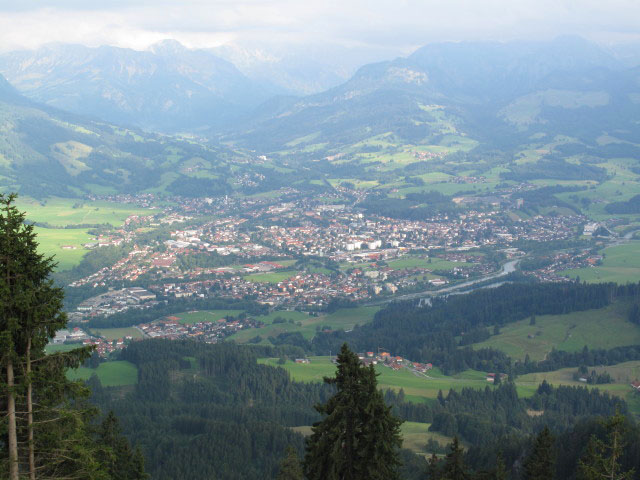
117 333
271 277
51 348
415 436
621 264
205 315
111 374
603 328
421 389
52 240
416 388
345 319
64 211
623 374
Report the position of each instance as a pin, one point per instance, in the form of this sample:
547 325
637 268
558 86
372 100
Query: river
506 269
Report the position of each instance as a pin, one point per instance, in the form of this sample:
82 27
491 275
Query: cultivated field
52 241
117 333
345 319
205 315
604 328
417 388
421 389
111 374
621 264
61 212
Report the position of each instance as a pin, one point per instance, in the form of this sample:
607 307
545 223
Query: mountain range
492 92
566 98
168 88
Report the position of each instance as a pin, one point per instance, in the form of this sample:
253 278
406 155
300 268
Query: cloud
401 24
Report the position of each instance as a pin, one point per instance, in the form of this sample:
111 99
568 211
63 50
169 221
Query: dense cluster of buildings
222 246
172 328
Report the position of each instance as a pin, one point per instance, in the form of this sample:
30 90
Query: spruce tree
602 458
501 469
433 468
540 463
48 419
359 437
290 468
454 467
116 453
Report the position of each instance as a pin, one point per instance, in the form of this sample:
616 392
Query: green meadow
57 348
425 388
622 374
417 388
52 241
345 319
415 436
271 277
603 328
61 212
111 374
621 264
205 315
117 333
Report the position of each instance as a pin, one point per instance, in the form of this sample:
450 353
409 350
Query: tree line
435 333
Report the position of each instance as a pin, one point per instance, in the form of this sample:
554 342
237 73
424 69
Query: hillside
45 152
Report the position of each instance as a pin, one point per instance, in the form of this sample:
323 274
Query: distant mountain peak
167 46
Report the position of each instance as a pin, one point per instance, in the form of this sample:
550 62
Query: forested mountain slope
45 151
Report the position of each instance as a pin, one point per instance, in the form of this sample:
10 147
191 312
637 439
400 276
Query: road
507 268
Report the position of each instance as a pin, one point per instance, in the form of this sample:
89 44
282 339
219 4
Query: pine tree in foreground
290 468
359 437
540 464
602 459
46 427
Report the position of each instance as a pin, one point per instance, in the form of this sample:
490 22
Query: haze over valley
237 199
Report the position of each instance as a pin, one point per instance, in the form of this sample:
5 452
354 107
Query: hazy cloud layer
402 24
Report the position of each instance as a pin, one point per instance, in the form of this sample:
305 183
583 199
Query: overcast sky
398 24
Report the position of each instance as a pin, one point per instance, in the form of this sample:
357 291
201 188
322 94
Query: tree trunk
14 473
32 457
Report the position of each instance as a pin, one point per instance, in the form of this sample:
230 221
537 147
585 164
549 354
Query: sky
402 25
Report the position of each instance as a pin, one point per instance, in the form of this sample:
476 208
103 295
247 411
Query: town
292 251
